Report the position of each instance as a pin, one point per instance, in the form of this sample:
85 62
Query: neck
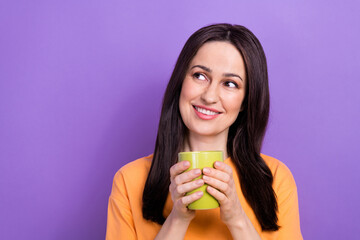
194 142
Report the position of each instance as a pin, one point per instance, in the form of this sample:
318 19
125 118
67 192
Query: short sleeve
120 223
287 197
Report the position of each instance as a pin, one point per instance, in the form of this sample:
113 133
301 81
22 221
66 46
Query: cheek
234 104
184 98
186 90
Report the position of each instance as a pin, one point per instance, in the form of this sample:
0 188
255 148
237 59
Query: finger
221 197
178 168
187 187
187 176
223 167
218 174
186 200
215 183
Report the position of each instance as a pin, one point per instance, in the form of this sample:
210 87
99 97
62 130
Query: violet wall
81 84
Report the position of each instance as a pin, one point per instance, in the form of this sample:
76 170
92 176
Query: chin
207 132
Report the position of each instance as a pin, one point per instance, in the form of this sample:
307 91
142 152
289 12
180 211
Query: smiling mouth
205 111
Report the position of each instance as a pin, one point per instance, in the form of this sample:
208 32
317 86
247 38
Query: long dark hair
245 135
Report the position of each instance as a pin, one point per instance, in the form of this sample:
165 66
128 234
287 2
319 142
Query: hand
181 183
222 187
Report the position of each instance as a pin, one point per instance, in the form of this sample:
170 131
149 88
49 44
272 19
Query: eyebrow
209 70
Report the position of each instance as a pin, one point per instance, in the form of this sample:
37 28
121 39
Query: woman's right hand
180 217
181 183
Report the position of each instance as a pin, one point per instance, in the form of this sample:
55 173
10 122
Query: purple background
81 84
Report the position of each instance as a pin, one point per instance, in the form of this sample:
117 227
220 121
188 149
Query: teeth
204 111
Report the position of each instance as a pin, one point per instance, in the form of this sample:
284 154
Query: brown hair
245 135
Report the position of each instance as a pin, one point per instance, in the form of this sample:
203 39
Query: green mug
200 160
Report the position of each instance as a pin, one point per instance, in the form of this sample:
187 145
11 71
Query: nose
210 94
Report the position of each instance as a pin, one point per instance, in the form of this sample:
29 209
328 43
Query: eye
231 84
199 76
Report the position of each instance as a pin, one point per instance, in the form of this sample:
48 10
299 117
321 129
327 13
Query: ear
243 104
242 107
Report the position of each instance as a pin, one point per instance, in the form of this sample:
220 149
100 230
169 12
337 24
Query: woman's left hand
222 187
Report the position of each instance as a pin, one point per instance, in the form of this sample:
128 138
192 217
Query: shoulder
283 177
276 166
287 199
132 176
135 168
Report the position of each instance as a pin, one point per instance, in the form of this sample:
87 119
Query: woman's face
213 89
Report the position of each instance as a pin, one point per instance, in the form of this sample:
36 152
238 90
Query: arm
120 224
222 187
178 221
286 191
174 228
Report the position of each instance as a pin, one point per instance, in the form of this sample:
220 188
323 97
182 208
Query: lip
204 116
210 109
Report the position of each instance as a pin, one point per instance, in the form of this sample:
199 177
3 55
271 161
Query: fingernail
197 171
205 177
217 164
206 170
199 182
186 164
199 193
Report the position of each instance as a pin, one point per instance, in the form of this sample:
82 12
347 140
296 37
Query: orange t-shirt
125 220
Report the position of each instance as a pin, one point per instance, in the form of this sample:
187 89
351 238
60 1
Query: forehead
219 56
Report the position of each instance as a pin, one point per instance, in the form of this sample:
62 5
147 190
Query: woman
217 99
